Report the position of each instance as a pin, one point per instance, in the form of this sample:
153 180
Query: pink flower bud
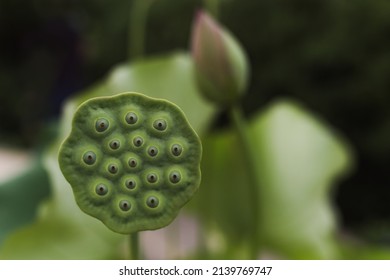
221 67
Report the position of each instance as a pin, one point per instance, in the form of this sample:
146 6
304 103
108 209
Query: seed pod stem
134 246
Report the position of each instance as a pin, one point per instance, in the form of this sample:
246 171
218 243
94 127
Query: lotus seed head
176 150
152 177
101 189
102 125
131 118
129 156
152 201
115 144
138 141
160 124
152 151
89 158
124 205
130 184
175 177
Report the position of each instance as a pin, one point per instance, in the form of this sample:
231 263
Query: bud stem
244 138
213 7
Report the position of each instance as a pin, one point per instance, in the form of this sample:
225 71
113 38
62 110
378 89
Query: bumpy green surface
132 161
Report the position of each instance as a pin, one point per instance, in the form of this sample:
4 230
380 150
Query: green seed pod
141 155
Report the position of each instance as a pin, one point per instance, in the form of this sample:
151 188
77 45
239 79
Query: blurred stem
139 11
244 138
134 246
213 7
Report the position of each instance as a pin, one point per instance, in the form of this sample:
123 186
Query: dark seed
131 118
175 177
112 168
160 124
101 189
176 149
114 144
124 205
89 158
130 184
132 162
102 125
152 178
152 151
138 141
152 201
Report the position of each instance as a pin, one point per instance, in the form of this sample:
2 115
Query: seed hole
152 201
131 118
175 177
101 125
130 184
124 205
112 168
89 157
160 124
101 189
114 144
132 162
176 150
138 141
152 151
152 178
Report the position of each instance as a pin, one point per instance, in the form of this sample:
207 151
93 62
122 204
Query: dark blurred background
331 55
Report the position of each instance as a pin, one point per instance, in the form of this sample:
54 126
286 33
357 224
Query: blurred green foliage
60 227
290 146
20 197
332 56
298 159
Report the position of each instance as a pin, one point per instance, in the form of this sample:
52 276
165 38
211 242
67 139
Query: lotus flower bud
221 67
